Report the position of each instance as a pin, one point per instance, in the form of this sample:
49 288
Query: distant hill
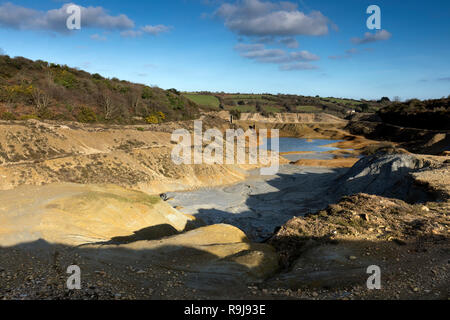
269 104
429 114
38 89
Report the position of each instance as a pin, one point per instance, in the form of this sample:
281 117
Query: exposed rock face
438 144
435 181
420 141
113 225
292 118
77 214
333 248
35 153
385 175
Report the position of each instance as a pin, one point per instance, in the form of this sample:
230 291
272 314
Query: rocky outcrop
110 225
73 214
422 141
333 248
36 153
385 175
438 144
292 118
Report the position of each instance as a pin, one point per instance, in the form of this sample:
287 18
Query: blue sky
308 47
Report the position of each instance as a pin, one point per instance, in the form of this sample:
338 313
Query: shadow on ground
37 271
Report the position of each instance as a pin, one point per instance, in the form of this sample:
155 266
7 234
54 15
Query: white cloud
265 18
21 18
155 30
373 37
131 33
249 47
152 30
290 42
2 52
304 55
263 54
259 53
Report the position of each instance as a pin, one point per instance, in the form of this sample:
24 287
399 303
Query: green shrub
86 115
69 108
236 114
174 91
152 119
175 102
147 93
66 79
7 116
96 76
156 118
124 90
16 93
28 117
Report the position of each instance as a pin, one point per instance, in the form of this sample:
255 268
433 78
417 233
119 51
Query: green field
204 100
308 109
273 109
269 103
344 102
244 96
244 109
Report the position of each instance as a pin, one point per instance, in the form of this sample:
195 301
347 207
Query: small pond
315 147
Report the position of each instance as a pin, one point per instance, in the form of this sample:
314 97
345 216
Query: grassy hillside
269 104
207 101
38 89
428 114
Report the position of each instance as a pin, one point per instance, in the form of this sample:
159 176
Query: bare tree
108 105
41 100
135 100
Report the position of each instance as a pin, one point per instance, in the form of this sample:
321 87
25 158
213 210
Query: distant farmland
309 109
203 100
268 104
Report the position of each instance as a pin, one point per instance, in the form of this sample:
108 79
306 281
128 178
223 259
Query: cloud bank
287 61
380 35
265 18
276 23
151 30
21 18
